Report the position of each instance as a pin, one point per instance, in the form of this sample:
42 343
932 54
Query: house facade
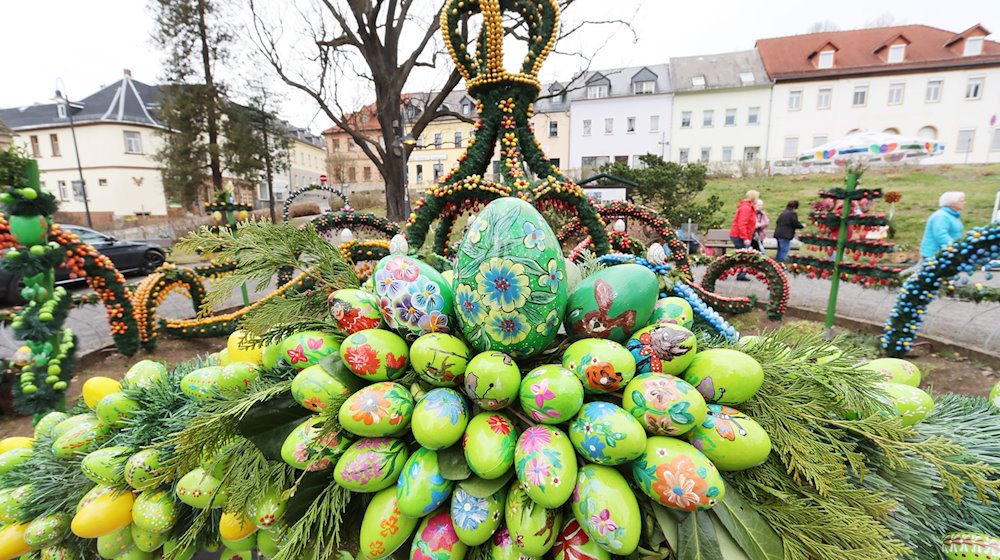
442 141
307 160
6 136
551 123
346 163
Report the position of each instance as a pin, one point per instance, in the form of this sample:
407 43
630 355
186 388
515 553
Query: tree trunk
396 211
210 101
267 168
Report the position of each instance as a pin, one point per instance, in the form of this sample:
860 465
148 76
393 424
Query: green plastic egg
199 489
546 465
662 348
355 310
436 538
316 389
895 370
502 546
245 544
489 444
46 530
551 394
413 297
440 359
603 366
376 541
612 303
724 376
607 509
82 438
12 458
573 543
271 355
269 511
200 384
230 554
382 409
303 450
171 547
375 355
113 409
236 378
143 469
155 511
421 489
532 527
665 405
371 464
476 519
62 427
912 403
115 544
440 418
144 373
605 434
267 543
307 348
48 422
147 541
732 440
677 475
673 310
492 380
106 466
966 545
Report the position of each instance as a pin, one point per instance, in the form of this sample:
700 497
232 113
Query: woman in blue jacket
943 227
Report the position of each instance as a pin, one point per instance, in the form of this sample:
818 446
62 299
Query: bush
672 189
304 209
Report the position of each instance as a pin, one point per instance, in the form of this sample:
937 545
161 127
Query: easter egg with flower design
605 434
436 538
355 310
46 530
912 403
316 388
964 545
573 543
731 439
476 518
307 348
382 409
607 509
603 366
489 443
677 475
147 541
413 297
532 527
106 466
375 355
665 405
662 348
674 310
305 449
154 511
546 465
384 528
420 488
612 303
510 280
551 394
895 370
440 418
502 547
371 464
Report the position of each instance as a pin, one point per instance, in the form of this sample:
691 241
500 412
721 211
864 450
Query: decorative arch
365 222
928 132
151 292
313 187
757 265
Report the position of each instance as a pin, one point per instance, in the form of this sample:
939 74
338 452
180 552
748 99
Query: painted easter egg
268 511
732 440
895 370
316 388
492 380
106 466
440 418
607 509
573 543
476 519
510 280
382 409
46 530
147 541
234 527
673 310
440 359
240 351
12 542
28 230
58 553
82 438
307 348
603 366
114 408
236 378
267 544
420 488
677 475
371 464
69 423
546 464
376 542
912 403
665 405
91 495
963 545
199 489
436 538
143 469
115 544
532 527
271 355
662 348
144 374
724 376
304 449
12 458
605 434
6 513
355 310
103 515
489 444
375 355
22 442
413 297
502 547
48 422
551 394
96 388
172 549
200 384
221 357
230 554
154 511
245 544
612 303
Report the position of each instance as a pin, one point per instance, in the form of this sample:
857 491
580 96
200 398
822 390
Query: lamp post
62 97
405 142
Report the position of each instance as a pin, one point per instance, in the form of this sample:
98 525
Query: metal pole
850 181
79 168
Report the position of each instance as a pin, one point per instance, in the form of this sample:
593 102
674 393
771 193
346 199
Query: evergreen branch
319 528
280 331
291 308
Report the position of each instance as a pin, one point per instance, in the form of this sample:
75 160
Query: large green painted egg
307 348
476 519
82 438
106 466
440 418
673 310
662 348
605 434
603 366
382 409
147 541
492 380
677 475
355 310
154 511
48 422
12 458
965 545
732 440
912 403
144 373
532 527
665 405
115 544
200 384
317 389
143 469
413 297
489 444
607 509
375 355
384 528
724 376
236 378
436 539
895 370
612 303
440 359
420 488
303 449
46 530
510 280
551 394
31 229
502 547
114 408
573 543
199 489
546 465
371 464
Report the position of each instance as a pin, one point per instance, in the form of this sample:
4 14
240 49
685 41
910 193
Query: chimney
128 72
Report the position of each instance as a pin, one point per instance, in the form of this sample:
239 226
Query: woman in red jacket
744 224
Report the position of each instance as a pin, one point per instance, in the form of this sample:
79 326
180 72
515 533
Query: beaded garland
762 267
313 187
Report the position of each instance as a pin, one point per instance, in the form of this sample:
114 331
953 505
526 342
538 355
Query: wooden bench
718 239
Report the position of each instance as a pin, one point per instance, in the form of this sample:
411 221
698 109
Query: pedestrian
784 231
760 232
943 227
744 224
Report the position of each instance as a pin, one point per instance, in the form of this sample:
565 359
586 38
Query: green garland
757 264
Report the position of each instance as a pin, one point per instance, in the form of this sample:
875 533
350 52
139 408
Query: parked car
128 256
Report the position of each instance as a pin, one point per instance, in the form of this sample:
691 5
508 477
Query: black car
128 256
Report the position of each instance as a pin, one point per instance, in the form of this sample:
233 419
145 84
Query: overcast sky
88 43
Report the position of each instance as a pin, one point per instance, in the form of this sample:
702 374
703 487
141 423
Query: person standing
944 226
762 222
744 224
784 231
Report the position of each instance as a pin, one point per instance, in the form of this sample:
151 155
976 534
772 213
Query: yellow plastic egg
16 442
237 353
96 388
235 526
12 542
104 515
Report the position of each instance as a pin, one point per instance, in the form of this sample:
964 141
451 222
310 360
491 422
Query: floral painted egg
612 303
382 409
103 515
605 434
673 310
551 394
492 380
375 355
371 464
89 497
113 409
489 444
46 530
413 297
57 553
510 280
12 458
82 438
147 541
436 539
106 466
303 449
606 508
546 464
662 348
724 376
236 378
200 383
316 389
355 310
665 405
199 489
677 475
440 418
603 366
912 403
476 519
965 545
307 348
115 544
420 488
143 469
144 374
573 543
440 359
48 422
384 528
532 527
154 511
895 370
71 422
732 440
12 503
269 510
502 547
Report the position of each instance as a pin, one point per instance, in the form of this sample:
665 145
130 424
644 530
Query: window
973 46
366 173
590 164
630 124
458 139
682 155
825 60
933 91
995 146
791 147
654 123
336 145
420 173
637 162
819 140
350 144
823 98
896 54
644 88
707 117
795 100
63 193
621 159
860 96
686 119
36 152
102 182
698 81
61 110
54 140
706 155
753 115
438 170
750 153
597 92
966 138
891 130
351 175
974 89
609 126
896 93
586 127
133 142
727 153
554 162
730 117
746 78
466 108
553 129
364 119
927 133
438 140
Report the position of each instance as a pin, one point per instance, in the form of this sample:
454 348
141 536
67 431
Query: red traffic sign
322 178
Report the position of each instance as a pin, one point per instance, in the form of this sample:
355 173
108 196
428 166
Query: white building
306 162
551 123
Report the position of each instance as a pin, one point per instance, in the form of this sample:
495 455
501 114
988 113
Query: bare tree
823 26
886 19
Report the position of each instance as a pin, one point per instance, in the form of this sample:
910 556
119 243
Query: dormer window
698 81
973 46
644 88
597 91
61 109
746 78
897 53
825 60
466 108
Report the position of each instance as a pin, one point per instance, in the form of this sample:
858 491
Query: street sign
322 178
